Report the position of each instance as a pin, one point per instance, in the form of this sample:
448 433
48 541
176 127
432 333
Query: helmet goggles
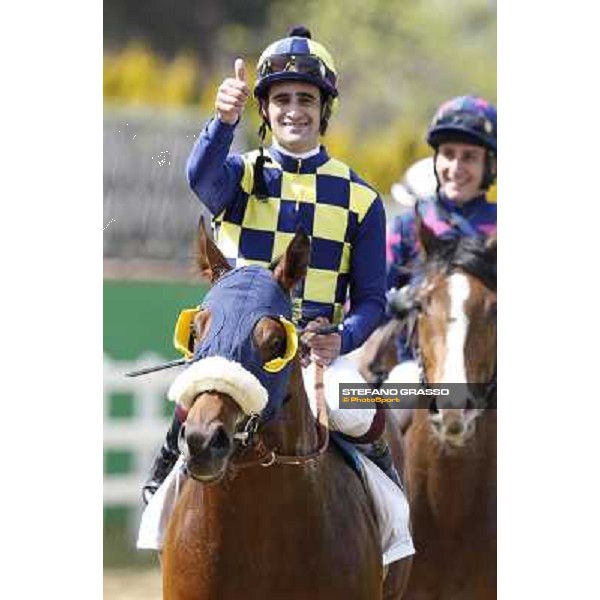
303 64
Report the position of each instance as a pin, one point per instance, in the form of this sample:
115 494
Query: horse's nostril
433 407
220 440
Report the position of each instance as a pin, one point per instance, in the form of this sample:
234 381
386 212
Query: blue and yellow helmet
296 58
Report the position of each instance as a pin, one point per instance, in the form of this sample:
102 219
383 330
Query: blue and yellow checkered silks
321 195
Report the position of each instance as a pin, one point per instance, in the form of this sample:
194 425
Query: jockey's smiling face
294 111
460 168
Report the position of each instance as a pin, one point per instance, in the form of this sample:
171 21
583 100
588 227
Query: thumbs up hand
240 69
233 94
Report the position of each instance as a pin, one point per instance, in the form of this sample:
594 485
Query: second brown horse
450 465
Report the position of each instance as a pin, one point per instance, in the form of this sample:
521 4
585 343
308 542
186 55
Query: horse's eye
273 346
270 339
278 346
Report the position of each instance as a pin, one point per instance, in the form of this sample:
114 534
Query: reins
251 439
390 331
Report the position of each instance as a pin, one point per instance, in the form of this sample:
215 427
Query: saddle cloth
390 504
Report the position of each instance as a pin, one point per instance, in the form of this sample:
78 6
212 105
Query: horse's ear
491 244
429 242
210 260
293 265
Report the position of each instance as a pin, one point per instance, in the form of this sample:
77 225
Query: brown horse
283 517
450 464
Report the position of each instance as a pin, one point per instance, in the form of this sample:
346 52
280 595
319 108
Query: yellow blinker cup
277 364
182 336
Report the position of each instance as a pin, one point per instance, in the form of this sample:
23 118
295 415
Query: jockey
463 137
260 198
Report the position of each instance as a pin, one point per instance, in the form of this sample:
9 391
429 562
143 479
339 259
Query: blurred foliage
138 76
400 59
397 60
183 25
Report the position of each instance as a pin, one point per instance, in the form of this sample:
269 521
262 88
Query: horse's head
243 343
456 328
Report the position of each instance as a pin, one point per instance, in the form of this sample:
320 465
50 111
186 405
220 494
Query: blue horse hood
237 301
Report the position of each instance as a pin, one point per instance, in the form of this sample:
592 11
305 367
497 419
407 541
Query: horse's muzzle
206 451
454 427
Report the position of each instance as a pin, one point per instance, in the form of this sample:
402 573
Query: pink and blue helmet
468 119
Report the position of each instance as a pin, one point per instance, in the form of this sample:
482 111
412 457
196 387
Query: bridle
408 321
251 450
485 399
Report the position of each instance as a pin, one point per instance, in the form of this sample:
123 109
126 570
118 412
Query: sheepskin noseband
221 375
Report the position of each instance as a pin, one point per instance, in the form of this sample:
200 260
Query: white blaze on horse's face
454 426
454 368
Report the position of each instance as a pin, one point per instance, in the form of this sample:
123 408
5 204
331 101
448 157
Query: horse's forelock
471 255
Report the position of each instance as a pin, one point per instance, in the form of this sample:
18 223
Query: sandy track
129 584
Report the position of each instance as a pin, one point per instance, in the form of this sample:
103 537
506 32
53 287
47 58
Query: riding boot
379 453
164 461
